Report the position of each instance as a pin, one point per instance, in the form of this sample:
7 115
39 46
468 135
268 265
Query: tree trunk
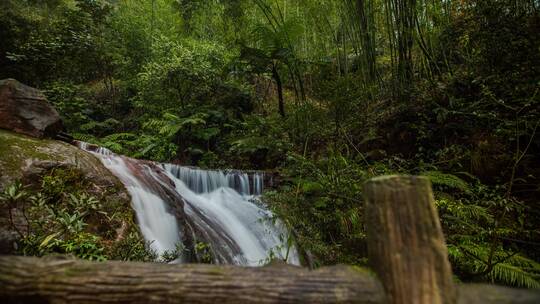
48 280
277 78
405 241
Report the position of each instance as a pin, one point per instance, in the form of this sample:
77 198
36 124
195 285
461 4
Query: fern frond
154 124
170 129
476 250
454 252
89 125
522 261
169 116
111 122
114 146
84 137
474 212
513 275
438 178
350 222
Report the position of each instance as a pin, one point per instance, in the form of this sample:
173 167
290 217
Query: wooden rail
406 247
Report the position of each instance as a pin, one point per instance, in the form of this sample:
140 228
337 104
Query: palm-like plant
275 48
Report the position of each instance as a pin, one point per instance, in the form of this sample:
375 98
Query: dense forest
324 94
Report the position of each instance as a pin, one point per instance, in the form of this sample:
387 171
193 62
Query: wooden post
405 241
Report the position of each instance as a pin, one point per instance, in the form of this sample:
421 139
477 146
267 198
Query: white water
237 212
204 181
222 203
158 226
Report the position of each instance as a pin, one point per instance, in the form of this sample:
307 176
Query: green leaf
48 239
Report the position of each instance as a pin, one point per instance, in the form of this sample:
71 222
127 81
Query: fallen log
26 279
47 280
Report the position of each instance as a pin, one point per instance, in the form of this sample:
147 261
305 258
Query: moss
364 270
73 171
15 149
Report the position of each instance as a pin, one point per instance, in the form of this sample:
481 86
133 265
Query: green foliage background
452 95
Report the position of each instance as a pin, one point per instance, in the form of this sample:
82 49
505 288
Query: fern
507 268
454 252
465 213
513 275
113 146
117 141
476 250
92 125
474 212
470 212
351 222
120 136
170 129
154 124
89 125
248 144
170 124
519 260
450 181
85 137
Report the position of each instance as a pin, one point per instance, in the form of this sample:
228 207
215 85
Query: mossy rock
18 153
33 160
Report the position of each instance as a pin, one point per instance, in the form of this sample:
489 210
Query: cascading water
213 202
203 181
221 209
158 226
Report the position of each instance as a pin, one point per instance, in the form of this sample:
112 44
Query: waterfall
157 225
230 206
221 207
204 181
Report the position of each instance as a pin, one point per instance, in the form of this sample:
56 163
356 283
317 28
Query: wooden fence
405 243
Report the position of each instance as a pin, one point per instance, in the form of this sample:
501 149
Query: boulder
25 110
27 159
